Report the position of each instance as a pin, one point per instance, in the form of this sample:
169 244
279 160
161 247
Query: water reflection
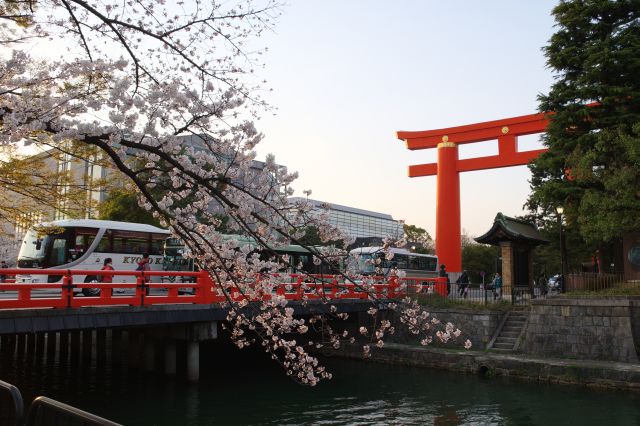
245 388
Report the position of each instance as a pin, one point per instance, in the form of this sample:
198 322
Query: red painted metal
449 167
292 287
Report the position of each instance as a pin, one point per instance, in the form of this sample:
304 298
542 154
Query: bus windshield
44 248
32 247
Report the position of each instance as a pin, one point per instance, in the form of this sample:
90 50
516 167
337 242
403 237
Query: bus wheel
91 292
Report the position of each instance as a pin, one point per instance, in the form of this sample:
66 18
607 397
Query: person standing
443 273
497 286
144 265
3 265
107 278
107 266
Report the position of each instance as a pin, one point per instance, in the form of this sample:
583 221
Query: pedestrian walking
463 284
497 286
543 284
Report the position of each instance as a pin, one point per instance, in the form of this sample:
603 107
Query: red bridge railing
65 293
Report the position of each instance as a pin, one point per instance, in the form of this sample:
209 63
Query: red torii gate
448 168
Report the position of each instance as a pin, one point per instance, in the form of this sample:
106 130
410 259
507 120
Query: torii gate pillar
449 167
448 208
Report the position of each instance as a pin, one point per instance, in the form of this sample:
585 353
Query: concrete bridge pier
40 338
170 358
31 346
8 344
134 348
87 347
117 337
52 337
21 341
149 353
75 347
63 351
193 361
101 346
192 334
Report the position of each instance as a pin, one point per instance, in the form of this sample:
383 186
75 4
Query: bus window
57 253
104 246
130 242
157 243
83 239
414 262
401 261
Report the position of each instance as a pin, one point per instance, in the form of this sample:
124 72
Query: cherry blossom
139 80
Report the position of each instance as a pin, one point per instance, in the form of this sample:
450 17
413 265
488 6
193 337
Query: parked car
554 283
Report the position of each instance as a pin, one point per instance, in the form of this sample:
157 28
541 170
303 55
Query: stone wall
584 328
476 325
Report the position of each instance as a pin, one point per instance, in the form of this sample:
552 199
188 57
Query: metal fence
43 411
472 293
586 281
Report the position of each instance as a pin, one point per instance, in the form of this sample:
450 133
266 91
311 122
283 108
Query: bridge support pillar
22 338
170 358
101 346
39 345
8 344
87 344
75 346
31 345
134 347
149 354
51 346
116 346
64 347
193 361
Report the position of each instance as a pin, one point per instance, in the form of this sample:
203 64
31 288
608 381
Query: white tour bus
415 265
83 244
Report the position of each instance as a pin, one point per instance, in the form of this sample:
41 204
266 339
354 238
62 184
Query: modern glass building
360 223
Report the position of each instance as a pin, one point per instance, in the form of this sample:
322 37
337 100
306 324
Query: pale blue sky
346 75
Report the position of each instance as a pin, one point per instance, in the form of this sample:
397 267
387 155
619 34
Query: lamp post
560 211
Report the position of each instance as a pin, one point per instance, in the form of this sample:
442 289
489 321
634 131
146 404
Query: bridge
145 315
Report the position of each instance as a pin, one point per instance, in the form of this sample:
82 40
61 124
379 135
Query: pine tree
592 166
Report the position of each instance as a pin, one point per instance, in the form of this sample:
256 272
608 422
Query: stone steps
508 335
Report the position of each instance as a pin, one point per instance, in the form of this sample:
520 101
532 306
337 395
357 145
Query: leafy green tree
122 205
419 237
592 166
478 258
311 237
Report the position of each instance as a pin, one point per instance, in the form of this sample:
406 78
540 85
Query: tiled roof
507 228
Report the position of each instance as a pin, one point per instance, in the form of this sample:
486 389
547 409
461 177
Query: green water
240 387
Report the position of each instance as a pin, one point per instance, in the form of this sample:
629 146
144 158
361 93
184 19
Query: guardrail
65 293
43 411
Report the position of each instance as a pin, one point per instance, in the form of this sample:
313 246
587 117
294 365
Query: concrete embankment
596 374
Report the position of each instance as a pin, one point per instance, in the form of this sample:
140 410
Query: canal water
241 387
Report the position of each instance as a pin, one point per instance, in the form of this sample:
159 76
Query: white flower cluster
139 80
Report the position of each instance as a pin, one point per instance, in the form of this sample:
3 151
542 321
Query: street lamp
560 211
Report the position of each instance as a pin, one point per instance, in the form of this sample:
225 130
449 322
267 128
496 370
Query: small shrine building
516 239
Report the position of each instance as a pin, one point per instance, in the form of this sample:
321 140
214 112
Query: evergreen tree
592 166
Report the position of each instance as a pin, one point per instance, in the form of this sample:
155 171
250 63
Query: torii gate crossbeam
449 167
